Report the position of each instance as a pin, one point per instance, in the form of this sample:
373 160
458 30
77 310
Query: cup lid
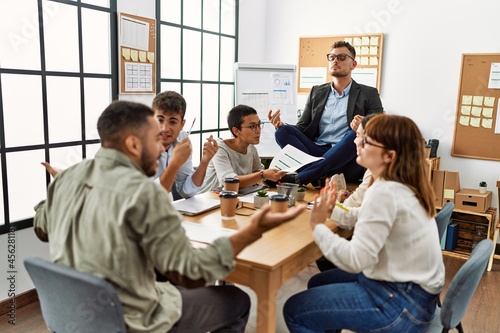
231 180
228 194
279 197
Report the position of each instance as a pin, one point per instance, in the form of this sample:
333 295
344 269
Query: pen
190 129
341 206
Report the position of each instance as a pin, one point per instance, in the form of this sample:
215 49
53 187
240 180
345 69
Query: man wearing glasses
325 127
238 157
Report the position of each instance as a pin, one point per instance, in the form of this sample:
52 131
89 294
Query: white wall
423 44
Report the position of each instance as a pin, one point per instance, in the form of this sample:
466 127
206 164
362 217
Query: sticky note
467 99
477 100
373 40
151 57
126 53
134 54
489 101
474 122
487 123
476 111
142 56
464 120
465 110
488 112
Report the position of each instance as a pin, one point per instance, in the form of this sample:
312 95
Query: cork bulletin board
477 127
137 52
313 65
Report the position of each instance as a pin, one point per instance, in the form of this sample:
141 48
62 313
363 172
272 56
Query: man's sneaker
291 177
319 183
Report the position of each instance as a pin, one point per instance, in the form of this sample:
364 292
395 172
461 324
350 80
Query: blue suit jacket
363 100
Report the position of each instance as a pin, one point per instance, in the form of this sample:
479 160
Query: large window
57 73
197 49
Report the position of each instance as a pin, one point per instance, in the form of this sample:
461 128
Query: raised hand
275 118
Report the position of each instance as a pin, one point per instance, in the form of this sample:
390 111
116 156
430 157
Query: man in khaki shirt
106 217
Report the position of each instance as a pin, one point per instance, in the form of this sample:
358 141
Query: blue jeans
341 158
339 300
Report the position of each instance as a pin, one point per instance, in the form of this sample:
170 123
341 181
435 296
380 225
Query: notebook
196 205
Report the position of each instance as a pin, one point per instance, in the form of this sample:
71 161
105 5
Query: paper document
290 159
205 234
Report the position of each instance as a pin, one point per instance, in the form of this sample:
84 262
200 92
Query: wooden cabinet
468 225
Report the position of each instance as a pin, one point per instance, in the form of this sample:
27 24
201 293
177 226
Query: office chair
461 290
74 301
443 218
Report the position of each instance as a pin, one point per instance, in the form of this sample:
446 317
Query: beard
149 162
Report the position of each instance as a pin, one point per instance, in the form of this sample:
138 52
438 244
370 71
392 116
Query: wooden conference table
267 263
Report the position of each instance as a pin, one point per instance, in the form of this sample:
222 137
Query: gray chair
73 301
461 290
443 218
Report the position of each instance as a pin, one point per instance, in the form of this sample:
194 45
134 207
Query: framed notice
137 51
313 65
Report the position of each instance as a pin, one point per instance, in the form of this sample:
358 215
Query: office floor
482 315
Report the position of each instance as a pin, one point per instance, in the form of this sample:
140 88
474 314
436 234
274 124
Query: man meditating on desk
238 157
323 129
104 216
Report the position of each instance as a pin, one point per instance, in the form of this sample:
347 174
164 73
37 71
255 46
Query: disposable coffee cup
279 203
231 184
228 202
289 190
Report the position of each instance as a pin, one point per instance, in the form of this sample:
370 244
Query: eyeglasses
254 127
364 142
341 56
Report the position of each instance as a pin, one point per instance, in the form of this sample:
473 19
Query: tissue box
472 200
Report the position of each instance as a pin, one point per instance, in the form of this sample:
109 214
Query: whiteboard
265 87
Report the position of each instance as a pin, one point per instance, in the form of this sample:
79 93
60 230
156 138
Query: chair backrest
74 301
464 284
443 218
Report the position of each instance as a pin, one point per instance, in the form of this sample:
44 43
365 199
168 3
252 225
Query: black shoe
291 177
319 183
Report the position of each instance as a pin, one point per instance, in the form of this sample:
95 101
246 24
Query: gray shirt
229 163
105 217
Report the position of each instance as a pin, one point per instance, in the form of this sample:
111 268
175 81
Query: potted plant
482 186
301 192
260 199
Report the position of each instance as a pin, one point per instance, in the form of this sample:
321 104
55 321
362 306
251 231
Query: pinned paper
373 61
488 112
365 50
358 50
365 40
126 53
475 122
142 56
348 40
477 100
151 57
489 101
467 99
356 41
476 111
134 54
487 123
373 40
363 60
373 50
464 120
465 110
